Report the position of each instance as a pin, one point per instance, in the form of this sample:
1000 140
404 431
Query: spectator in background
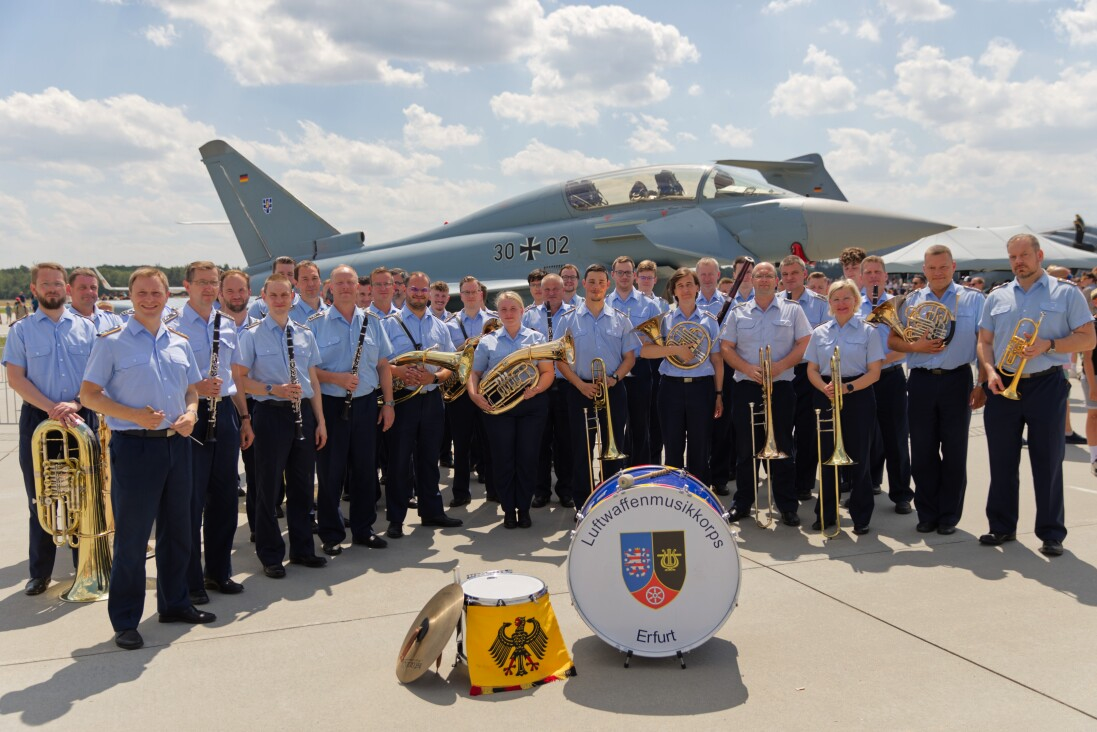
917 282
1079 231
978 283
724 285
818 283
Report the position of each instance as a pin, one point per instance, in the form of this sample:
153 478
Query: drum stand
681 658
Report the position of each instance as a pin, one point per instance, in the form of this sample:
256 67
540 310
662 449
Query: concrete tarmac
892 630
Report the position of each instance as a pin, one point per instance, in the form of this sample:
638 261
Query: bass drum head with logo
653 570
501 587
677 478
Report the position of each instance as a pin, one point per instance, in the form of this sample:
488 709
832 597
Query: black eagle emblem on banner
520 647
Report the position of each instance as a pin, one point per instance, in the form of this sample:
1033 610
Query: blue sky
392 117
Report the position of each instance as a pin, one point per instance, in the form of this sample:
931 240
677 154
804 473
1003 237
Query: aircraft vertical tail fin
805 175
268 220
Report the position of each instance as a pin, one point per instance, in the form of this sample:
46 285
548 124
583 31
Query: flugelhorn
838 457
457 382
1013 360
72 503
504 385
692 335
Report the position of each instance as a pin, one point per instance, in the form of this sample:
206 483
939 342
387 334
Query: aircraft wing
694 233
496 285
805 175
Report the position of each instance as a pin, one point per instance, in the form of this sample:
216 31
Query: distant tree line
15 280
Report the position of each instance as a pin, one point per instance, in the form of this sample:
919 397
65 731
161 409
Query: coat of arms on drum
653 564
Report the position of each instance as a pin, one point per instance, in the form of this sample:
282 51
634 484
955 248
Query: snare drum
654 569
676 478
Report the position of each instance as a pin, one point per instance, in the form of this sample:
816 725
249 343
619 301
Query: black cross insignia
531 249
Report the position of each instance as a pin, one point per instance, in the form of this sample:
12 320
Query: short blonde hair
149 272
849 285
509 295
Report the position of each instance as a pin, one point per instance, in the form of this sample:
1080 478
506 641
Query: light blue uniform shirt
377 311
575 301
199 334
337 341
713 305
547 324
263 350
101 319
815 306
637 307
301 312
857 342
779 326
659 303
966 305
1064 309
53 355
609 336
496 346
137 369
462 327
882 331
708 322
427 331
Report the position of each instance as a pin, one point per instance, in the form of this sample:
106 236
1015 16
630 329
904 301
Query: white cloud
840 27
649 134
775 7
868 31
546 163
425 130
732 136
825 90
695 90
1000 57
871 155
1079 23
918 10
685 137
162 35
583 59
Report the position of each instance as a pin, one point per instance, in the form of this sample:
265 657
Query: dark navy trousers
415 437
278 453
939 418
555 453
893 448
515 438
637 439
803 425
686 406
350 447
858 418
214 468
783 472
583 436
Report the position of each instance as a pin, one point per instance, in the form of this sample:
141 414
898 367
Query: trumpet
769 450
1013 360
838 456
504 386
607 447
692 335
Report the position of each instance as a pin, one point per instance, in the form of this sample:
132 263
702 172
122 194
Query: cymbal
429 633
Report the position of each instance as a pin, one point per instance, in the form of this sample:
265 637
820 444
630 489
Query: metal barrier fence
10 402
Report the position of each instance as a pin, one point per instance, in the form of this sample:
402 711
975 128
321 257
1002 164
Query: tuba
505 384
457 382
1012 363
460 362
927 319
72 501
838 457
684 334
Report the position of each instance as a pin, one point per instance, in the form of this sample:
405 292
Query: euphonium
838 457
457 382
692 335
504 385
71 502
1012 362
460 362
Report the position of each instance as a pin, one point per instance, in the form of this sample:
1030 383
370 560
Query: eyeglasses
419 290
622 271
765 277
570 278
470 292
206 283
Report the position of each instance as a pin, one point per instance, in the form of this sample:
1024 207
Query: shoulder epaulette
252 326
371 314
178 333
294 322
817 296
314 316
24 317
999 286
128 313
173 315
704 313
450 317
392 315
529 307
111 331
620 312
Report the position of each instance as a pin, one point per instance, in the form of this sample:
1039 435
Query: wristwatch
389 403
270 389
1052 349
849 387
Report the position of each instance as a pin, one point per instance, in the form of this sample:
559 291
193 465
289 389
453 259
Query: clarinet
354 365
298 422
214 367
875 295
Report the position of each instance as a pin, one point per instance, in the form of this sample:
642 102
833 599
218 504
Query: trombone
769 450
838 457
608 451
1012 363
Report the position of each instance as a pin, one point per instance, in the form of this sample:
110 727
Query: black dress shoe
737 514
492 498
278 512
817 525
524 521
509 522
861 529
1073 439
926 527
1052 548
413 503
903 507
251 537
946 530
312 562
274 571
346 522
36 586
190 615
313 526
225 587
803 495
993 539
128 640
443 521
394 531
722 490
567 503
790 518
459 502
877 490
538 502
332 549
373 541
240 492
198 597
480 478
446 462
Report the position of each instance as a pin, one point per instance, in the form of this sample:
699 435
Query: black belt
942 372
686 379
279 403
889 369
1037 375
147 433
827 379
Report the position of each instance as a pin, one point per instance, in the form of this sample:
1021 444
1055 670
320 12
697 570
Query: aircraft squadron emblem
268 204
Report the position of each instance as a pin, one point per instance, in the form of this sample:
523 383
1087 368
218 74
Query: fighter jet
106 286
672 214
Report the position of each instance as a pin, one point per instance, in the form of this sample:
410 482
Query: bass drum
653 568
661 474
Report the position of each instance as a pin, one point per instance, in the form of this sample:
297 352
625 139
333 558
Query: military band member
1066 327
214 505
310 288
417 435
382 287
685 392
709 298
555 452
351 440
84 291
439 298
861 355
782 325
515 435
647 274
45 357
533 279
283 410
892 443
569 273
286 266
722 453
793 273
605 333
365 292
626 298
142 377
399 286
940 396
818 283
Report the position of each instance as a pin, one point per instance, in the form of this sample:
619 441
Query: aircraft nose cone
834 225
